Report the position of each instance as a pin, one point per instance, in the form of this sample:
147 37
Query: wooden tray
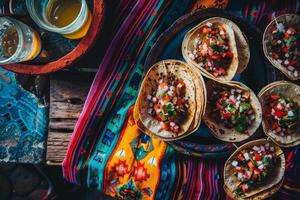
80 49
258 73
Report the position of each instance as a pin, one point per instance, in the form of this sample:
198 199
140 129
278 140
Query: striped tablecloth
108 152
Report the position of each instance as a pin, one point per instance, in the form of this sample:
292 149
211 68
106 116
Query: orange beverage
18 42
70 18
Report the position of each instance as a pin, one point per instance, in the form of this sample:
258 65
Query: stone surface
5 187
24 180
7 167
16 197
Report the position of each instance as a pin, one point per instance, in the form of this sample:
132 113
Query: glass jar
18 42
71 18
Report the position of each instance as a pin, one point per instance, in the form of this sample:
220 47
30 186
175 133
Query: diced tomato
245 187
229 54
275 125
171 119
216 57
175 130
210 52
275 97
182 83
219 107
157 107
286 35
162 85
166 99
206 30
240 169
251 165
227 115
275 56
203 52
165 126
293 62
292 30
223 37
255 174
241 157
177 91
280 113
289 132
215 74
284 49
222 71
257 157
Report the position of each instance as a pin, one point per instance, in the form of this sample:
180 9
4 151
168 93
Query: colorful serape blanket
108 152
23 122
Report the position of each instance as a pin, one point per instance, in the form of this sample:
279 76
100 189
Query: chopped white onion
208 24
246 155
234 163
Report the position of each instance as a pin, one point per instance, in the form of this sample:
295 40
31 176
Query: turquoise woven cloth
106 150
23 122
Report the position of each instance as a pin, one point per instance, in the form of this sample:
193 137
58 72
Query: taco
281 112
233 112
281 42
259 196
211 47
253 170
171 100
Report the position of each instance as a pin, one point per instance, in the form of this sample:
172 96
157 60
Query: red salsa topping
284 47
213 52
168 103
253 166
232 107
284 114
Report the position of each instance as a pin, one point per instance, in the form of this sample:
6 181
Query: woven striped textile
108 152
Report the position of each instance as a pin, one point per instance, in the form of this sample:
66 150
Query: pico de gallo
284 113
213 52
168 103
253 166
284 47
232 107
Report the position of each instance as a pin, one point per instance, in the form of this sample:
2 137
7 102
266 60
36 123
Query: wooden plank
68 92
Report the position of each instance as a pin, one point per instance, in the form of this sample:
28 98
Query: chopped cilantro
215 47
244 106
241 127
169 108
231 108
224 103
162 117
291 40
220 39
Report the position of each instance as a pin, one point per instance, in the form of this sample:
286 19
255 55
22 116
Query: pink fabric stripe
93 95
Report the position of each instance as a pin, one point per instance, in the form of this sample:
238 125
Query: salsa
284 114
232 107
213 52
168 103
253 166
284 47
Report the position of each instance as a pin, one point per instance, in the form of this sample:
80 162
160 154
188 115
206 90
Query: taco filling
284 114
232 108
253 166
212 52
168 103
284 47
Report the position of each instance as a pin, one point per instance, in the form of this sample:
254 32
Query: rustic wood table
68 91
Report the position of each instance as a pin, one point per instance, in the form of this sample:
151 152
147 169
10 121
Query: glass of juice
71 18
18 42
